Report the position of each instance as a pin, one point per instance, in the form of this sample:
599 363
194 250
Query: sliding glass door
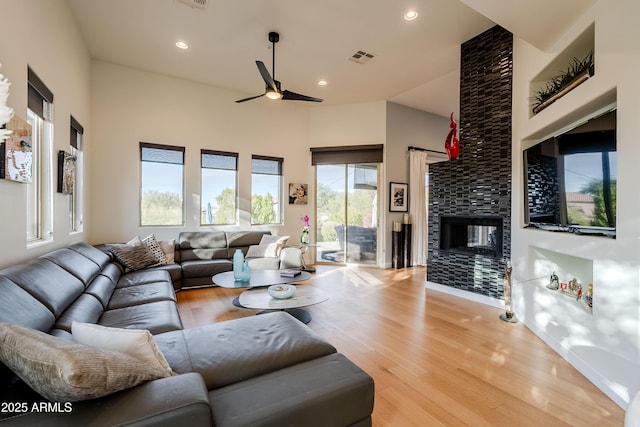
347 213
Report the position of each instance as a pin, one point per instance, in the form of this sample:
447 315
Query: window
162 184
219 171
75 198
266 194
40 188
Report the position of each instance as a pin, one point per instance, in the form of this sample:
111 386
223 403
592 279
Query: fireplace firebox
476 235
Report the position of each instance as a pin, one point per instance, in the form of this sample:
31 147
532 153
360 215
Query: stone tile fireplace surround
477 185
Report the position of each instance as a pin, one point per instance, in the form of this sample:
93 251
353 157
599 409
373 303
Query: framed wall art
298 194
398 197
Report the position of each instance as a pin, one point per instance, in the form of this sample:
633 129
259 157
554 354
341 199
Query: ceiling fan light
272 94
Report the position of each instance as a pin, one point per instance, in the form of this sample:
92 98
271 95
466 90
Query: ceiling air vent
195 4
361 57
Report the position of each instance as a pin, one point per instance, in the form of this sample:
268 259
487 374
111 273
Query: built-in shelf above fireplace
475 235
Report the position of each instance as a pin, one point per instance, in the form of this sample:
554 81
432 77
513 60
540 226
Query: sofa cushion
36 276
137 343
205 269
235 350
201 245
101 288
75 263
156 317
64 371
153 246
168 247
141 294
86 308
135 278
92 253
20 307
134 255
269 246
326 391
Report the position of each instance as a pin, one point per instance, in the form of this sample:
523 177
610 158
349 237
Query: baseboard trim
482 299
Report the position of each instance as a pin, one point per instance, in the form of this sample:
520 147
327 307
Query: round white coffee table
305 295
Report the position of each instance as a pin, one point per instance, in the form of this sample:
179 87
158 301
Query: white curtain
417 206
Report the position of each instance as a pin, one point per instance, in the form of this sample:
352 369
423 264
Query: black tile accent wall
479 181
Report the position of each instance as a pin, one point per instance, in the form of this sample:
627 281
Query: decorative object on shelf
554 282
508 315
306 228
577 73
588 298
398 197
241 270
452 143
298 194
281 291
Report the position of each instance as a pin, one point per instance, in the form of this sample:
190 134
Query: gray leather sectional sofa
267 370
199 255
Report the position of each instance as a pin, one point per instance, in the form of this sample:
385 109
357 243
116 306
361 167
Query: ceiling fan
273 89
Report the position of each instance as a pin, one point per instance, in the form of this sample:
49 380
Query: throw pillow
134 255
137 343
154 247
169 249
276 243
257 251
64 371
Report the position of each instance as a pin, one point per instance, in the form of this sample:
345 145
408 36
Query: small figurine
553 281
579 292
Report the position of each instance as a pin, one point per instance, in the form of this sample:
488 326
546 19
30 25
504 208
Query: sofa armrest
171 401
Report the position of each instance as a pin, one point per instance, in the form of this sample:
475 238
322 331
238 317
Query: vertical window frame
255 162
168 148
203 156
39 209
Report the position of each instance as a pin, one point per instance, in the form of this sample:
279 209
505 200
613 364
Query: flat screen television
571 179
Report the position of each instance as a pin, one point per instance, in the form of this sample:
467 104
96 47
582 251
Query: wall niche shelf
543 263
569 69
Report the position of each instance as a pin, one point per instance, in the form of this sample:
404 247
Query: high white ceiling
416 63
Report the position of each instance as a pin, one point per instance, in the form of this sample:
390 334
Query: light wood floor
437 360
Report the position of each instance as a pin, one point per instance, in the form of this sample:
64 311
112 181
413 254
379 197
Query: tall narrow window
76 160
40 188
266 190
219 171
162 184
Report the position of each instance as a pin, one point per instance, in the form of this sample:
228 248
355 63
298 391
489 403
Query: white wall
406 127
130 106
603 345
42 34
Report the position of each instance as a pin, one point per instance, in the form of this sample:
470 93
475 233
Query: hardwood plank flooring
437 360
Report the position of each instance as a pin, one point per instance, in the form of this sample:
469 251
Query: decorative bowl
281 291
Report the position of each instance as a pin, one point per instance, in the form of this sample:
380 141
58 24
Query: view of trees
160 208
597 216
330 209
263 209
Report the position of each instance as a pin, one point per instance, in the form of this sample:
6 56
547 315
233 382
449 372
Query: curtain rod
411 147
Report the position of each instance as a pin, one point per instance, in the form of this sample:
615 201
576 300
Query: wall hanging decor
18 157
298 194
66 172
398 197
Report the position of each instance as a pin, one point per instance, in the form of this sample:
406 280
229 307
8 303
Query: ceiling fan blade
250 98
266 76
292 96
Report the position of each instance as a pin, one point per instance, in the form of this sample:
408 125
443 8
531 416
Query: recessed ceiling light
410 15
322 82
182 45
